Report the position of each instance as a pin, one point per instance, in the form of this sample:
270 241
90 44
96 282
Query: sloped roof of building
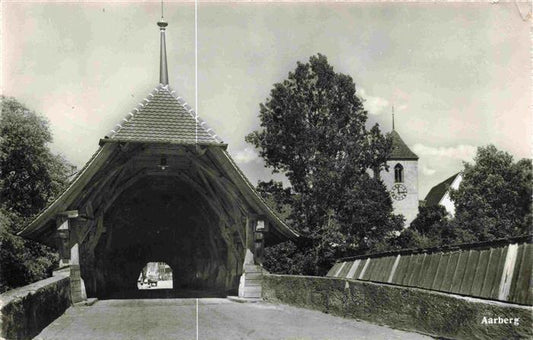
436 193
163 117
400 150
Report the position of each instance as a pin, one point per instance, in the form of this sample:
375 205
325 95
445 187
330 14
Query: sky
458 74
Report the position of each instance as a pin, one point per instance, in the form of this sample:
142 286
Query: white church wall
407 206
446 200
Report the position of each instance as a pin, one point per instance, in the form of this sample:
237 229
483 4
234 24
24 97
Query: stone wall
412 309
25 311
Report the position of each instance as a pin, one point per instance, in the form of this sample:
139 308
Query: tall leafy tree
432 227
277 197
22 261
494 199
30 175
429 218
313 130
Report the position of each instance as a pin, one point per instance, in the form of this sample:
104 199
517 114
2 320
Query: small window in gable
398 173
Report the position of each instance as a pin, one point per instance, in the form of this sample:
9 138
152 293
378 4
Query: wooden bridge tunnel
163 188
160 188
156 202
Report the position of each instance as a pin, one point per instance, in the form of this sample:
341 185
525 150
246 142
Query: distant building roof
163 118
436 193
400 150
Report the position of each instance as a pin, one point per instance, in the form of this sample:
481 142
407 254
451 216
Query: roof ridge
132 113
199 122
193 113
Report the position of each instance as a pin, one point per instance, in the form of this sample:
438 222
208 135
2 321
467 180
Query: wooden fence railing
500 270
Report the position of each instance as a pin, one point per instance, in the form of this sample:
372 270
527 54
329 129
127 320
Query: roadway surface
161 284
217 319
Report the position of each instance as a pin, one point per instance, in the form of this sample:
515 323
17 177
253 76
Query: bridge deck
217 319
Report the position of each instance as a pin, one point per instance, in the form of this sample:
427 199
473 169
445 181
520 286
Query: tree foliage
286 258
313 130
30 177
432 227
494 199
366 214
277 197
429 218
22 261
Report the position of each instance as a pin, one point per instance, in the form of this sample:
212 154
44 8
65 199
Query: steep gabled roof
163 117
400 150
97 161
436 193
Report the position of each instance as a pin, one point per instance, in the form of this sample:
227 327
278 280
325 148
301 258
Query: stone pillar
249 246
77 286
70 255
247 285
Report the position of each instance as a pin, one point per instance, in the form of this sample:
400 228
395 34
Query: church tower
402 178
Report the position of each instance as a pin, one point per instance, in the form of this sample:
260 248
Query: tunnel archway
164 218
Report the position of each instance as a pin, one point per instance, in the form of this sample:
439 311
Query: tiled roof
400 150
438 191
163 118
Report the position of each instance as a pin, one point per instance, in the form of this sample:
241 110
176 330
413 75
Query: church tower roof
400 150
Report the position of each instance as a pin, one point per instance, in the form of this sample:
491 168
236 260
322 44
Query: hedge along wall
27 310
495 270
413 309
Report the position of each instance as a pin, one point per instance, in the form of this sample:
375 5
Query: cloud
246 156
428 171
374 105
401 107
461 152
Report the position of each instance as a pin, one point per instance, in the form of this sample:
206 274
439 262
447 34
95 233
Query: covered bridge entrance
161 187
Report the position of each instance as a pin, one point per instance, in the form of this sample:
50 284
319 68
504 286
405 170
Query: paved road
161 284
217 319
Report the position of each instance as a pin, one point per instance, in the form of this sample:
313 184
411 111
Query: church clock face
398 191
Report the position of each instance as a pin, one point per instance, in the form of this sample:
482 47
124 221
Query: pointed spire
392 117
163 71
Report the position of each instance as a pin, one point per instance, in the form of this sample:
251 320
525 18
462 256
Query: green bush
22 261
30 177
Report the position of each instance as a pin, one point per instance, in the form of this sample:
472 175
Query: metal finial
163 69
